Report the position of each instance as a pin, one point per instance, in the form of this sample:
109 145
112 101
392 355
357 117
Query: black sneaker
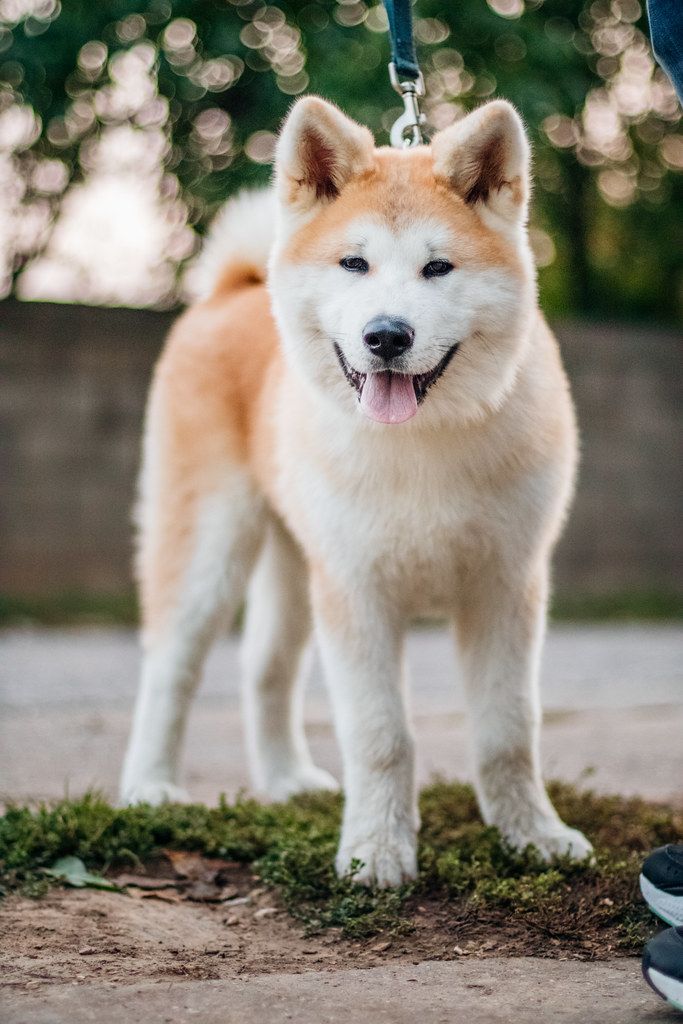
661 883
663 965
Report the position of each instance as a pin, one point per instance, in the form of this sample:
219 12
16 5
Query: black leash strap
405 74
400 15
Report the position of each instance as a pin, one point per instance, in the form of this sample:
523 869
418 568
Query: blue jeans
666 32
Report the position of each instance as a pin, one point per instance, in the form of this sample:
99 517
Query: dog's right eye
356 264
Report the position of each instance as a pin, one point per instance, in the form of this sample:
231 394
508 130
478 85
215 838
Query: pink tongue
388 397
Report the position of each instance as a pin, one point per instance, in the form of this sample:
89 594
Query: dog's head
402 280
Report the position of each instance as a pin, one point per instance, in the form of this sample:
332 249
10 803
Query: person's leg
666 32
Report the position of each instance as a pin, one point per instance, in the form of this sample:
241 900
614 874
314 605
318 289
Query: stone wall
72 390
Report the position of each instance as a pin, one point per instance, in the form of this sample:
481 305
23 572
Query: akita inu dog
376 428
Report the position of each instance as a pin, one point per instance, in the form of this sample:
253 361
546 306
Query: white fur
453 513
242 231
394 531
329 302
277 628
228 530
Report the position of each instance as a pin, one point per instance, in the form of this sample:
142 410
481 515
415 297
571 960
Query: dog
366 421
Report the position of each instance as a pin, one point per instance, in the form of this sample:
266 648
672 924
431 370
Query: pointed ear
485 159
319 151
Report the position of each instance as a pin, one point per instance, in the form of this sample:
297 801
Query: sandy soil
88 935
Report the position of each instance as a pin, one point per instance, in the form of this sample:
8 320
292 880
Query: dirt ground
492 991
87 935
90 936
167 925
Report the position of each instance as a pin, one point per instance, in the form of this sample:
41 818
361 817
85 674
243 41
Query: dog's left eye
356 264
437 268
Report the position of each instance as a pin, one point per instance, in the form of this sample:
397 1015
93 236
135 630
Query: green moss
463 863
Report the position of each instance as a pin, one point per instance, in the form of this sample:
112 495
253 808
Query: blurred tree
194 90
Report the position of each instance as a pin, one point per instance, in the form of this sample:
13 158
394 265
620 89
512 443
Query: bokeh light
119 139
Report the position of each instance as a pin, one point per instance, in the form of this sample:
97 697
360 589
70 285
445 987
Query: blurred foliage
88 609
204 84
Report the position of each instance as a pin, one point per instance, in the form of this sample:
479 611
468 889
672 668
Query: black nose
387 336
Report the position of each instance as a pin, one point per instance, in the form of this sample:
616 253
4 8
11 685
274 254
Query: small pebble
264 912
87 951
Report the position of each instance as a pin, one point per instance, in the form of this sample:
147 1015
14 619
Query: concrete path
613 698
521 991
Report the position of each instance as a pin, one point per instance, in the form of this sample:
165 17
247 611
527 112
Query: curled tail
237 246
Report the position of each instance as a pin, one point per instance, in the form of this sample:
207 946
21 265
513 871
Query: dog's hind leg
202 523
278 624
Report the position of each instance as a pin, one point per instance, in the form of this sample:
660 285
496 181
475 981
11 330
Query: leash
405 75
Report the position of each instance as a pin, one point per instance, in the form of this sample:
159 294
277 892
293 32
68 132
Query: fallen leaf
189 865
73 872
381 947
166 895
228 893
202 879
145 882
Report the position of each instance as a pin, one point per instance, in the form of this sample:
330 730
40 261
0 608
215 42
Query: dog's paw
153 793
386 861
554 840
305 779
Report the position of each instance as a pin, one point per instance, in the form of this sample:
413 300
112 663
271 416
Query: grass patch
69 609
82 609
466 871
648 605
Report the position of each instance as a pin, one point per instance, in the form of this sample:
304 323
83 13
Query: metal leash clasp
406 130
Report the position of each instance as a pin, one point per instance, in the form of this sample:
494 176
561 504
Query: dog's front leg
501 623
361 652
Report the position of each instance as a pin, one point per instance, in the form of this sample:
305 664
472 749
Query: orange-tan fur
218 360
263 475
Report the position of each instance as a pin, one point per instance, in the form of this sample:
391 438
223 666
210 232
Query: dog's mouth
390 397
